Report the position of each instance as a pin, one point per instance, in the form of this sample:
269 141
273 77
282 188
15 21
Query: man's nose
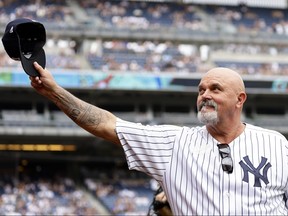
206 94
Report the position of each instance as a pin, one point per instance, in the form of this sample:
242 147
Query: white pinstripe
187 164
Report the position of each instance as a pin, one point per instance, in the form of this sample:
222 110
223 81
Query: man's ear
241 98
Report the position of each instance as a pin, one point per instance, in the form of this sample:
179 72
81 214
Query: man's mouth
208 105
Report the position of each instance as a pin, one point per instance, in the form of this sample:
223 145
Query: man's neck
225 133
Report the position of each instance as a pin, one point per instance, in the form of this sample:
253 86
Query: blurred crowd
153 55
121 191
43 197
143 14
124 197
94 191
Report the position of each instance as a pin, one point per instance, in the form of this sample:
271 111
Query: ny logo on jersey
247 166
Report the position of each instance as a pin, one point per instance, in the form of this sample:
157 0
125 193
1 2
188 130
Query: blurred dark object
158 207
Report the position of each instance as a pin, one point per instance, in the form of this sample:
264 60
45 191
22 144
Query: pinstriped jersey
187 164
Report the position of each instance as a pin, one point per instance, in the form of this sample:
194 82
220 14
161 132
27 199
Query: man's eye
201 91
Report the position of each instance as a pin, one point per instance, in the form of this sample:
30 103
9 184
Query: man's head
221 96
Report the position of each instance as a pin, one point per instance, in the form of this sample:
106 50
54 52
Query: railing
29 122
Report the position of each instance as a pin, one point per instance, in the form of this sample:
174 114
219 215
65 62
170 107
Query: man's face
216 99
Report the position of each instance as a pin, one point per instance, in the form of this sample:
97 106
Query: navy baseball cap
23 41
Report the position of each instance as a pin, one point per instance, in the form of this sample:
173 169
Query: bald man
226 167
220 102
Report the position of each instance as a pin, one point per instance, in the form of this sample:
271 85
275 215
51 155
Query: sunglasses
225 153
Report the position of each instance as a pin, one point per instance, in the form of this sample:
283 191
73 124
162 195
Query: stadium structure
141 60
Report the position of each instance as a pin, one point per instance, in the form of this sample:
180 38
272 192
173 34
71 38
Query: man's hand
45 83
161 197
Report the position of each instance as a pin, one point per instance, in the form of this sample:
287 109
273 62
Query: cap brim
27 63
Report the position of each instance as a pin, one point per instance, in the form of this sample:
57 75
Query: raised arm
93 119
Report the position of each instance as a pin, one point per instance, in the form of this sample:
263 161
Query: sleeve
147 148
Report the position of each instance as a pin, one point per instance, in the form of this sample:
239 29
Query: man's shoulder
259 129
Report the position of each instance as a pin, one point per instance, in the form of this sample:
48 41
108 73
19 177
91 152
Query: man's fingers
38 68
35 80
35 85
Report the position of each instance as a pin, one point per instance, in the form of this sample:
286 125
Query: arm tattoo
80 112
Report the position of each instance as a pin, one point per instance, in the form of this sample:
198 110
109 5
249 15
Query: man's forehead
211 81
224 78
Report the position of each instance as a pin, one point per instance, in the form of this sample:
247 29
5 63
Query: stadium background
142 60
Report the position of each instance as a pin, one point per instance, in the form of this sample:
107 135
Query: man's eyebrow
213 85
216 85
